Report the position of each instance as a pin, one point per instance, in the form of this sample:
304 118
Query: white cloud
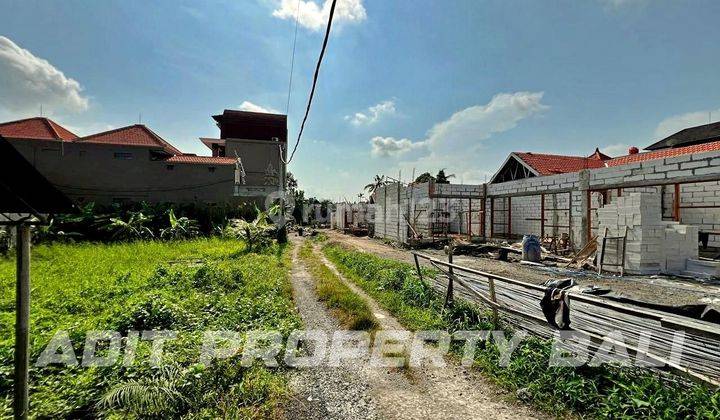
27 81
480 122
251 107
615 150
455 142
465 128
676 123
390 146
314 17
372 114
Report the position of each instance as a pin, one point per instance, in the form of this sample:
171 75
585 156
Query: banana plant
134 228
180 227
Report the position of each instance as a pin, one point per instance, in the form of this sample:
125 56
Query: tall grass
187 286
352 311
602 392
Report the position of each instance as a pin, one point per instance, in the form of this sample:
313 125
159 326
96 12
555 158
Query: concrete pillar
584 187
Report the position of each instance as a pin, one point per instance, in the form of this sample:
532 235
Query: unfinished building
355 218
559 197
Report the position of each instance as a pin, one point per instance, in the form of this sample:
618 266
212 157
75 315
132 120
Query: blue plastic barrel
531 248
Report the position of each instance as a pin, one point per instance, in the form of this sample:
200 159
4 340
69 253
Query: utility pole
282 233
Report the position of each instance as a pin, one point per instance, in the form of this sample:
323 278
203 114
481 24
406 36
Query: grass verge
351 309
603 391
185 286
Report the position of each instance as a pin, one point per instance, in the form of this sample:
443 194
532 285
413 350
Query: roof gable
546 164
36 128
520 165
133 135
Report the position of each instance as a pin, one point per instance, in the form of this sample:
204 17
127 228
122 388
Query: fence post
449 296
417 266
493 297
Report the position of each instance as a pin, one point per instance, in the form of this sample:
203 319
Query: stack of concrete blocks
653 245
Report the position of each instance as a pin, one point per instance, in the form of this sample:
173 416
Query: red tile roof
210 160
36 128
545 164
665 153
133 135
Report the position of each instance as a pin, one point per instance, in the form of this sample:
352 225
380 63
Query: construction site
635 238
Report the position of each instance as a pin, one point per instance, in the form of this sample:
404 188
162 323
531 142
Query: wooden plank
509 212
676 203
542 215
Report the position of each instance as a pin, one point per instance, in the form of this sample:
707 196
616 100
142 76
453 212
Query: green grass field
187 286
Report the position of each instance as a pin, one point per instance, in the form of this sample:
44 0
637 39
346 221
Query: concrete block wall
659 170
390 208
417 202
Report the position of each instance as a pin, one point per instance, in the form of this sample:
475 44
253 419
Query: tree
290 182
378 182
441 178
424 177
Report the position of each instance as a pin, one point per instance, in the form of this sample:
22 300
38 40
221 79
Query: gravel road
324 392
361 391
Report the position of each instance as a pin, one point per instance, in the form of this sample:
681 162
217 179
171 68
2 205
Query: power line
315 78
292 60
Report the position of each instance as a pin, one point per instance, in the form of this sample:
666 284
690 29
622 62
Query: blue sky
405 85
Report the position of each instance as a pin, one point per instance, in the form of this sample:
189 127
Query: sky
406 85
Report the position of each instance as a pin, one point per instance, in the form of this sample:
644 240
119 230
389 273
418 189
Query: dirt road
656 289
361 391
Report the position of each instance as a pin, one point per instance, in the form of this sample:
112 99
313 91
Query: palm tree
441 178
378 182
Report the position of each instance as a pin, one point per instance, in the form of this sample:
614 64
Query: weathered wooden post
493 297
417 266
449 295
22 316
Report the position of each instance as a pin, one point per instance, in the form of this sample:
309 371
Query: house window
123 155
170 167
211 168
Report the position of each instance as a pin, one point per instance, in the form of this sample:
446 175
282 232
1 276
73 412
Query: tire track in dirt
448 392
323 392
